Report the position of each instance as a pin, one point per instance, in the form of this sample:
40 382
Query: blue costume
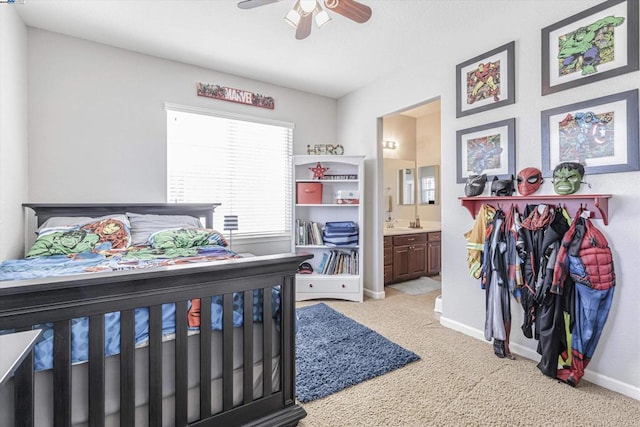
585 258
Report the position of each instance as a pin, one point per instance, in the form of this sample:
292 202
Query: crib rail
30 302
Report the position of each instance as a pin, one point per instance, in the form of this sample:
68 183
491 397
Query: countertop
427 227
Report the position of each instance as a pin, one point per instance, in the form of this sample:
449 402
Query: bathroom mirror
406 186
428 185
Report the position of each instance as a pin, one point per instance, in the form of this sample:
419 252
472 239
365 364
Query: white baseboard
374 295
589 375
437 307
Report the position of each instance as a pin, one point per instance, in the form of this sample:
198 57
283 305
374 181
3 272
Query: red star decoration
318 171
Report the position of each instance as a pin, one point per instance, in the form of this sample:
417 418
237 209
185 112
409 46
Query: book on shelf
323 263
339 262
308 233
329 177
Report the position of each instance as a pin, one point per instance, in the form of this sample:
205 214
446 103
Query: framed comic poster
486 81
601 134
486 149
595 44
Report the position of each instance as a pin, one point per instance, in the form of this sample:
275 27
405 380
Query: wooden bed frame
26 303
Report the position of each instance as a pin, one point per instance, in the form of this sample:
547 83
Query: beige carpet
458 381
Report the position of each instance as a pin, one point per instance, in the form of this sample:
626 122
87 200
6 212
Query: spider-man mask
529 180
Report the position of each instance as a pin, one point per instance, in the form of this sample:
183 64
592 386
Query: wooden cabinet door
401 268
418 260
409 262
388 260
434 258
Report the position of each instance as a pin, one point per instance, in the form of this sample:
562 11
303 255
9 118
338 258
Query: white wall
97 122
616 363
13 131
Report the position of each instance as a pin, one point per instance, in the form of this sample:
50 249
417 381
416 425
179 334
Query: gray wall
616 363
13 131
97 124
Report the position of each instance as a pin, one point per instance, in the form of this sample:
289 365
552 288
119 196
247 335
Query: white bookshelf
346 174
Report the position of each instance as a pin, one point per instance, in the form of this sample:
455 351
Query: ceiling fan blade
351 9
304 26
250 4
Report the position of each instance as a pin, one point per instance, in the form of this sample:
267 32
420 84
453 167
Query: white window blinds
241 162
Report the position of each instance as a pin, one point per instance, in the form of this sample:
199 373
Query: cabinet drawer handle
311 285
343 286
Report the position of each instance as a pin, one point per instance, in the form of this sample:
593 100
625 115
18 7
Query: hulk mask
567 177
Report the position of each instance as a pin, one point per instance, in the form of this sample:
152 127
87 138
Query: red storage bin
309 193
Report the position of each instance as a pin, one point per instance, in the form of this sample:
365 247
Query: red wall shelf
596 203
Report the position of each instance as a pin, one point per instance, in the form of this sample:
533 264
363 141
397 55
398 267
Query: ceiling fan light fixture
292 18
322 17
307 6
294 15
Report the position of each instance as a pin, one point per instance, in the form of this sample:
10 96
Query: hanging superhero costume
476 238
499 279
531 249
550 308
562 275
584 257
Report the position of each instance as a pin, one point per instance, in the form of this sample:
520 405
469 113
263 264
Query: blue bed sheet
58 265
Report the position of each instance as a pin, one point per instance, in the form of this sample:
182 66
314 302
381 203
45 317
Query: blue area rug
334 352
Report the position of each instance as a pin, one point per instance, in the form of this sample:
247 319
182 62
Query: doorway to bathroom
411 161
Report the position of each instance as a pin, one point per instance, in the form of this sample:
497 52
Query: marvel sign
235 95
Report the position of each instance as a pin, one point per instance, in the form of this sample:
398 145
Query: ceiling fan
303 12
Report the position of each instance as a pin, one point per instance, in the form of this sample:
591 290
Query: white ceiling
337 59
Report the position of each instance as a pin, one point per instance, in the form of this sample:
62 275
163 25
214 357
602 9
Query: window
428 190
244 163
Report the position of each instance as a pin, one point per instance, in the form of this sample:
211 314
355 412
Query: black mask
475 185
502 187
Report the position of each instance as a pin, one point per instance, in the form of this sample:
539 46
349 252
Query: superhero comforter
119 260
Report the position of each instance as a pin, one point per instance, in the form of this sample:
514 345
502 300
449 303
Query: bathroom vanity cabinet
434 259
411 255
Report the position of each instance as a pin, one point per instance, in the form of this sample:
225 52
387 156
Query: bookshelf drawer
327 284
